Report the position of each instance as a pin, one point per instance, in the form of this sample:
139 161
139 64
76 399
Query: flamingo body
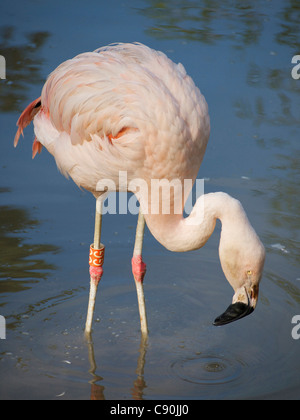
123 108
129 108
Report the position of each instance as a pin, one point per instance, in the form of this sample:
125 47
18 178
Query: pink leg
139 271
96 262
96 271
96 274
138 268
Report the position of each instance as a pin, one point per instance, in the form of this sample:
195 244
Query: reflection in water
289 33
139 385
23 66
206 21
289 287
284 217
285 203
97 391
262 111
22 264
277 123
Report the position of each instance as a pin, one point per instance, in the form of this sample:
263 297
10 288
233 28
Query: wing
123 107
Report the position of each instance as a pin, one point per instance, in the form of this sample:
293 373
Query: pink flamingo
129 108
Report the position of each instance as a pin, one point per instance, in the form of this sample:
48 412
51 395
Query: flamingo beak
233 313
239 310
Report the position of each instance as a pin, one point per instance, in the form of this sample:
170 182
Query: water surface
239 54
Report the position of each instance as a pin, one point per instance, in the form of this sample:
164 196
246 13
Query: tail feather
26 117
36 148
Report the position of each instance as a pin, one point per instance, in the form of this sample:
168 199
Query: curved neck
186 234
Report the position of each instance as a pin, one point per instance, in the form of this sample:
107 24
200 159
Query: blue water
239 54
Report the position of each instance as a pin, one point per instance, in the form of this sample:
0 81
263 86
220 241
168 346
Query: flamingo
128 108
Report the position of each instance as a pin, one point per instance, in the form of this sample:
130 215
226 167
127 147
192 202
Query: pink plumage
129 108
126 107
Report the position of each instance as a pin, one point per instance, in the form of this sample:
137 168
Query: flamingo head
243 304
242 257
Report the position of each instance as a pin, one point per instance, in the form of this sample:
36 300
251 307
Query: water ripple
208 369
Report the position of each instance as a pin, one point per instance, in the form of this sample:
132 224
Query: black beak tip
234 312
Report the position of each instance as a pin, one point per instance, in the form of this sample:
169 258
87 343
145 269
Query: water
240 55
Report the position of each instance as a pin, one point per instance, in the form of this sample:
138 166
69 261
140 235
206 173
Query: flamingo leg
139 271
96 262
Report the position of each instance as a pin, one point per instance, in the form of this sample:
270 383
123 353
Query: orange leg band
96 262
